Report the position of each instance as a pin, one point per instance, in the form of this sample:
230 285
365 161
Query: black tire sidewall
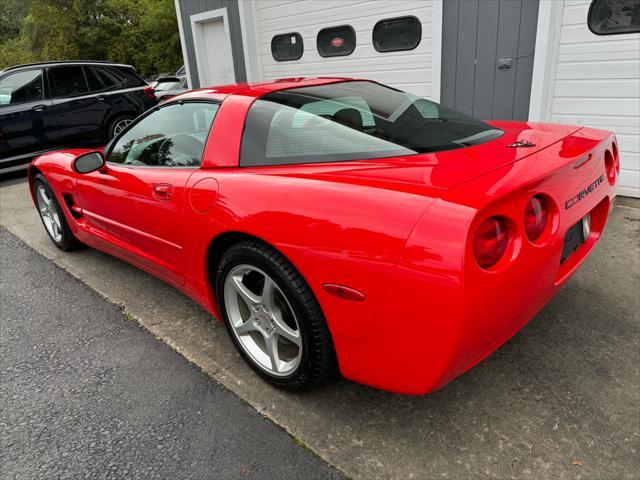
302 377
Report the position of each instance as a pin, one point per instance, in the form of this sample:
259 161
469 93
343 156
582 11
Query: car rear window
114 78
352 121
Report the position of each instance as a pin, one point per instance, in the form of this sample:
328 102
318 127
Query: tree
143 33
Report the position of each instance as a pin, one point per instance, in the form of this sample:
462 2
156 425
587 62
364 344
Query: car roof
257 89
65 62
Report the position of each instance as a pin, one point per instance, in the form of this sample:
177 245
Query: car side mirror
89 162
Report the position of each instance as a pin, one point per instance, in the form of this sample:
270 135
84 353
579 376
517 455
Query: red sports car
337 223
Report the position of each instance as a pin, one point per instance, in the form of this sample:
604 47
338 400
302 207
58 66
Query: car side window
174 135
21 87
94 81
68 81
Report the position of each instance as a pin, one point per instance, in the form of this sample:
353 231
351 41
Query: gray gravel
86 393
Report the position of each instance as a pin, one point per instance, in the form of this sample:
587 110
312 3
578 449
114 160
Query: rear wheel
273 317
118 125
53 219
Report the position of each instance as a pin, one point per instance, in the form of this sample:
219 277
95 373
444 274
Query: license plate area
575 237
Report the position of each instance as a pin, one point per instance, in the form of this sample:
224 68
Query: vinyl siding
407 70
597 83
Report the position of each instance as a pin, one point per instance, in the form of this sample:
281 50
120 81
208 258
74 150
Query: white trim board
183 44
196 31
544 60
246 9
436 49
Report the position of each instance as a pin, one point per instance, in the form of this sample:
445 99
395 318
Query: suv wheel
118 125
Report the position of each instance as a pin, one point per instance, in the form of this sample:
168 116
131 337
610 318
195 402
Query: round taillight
610 167
536 217
490 242
616 156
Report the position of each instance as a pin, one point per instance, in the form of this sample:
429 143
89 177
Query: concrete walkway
560 400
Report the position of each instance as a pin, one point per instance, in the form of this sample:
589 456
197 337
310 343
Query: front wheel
53 219
273 317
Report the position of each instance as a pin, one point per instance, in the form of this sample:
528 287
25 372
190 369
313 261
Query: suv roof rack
63 62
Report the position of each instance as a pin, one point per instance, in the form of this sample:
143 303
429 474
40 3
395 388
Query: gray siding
476 35
191 7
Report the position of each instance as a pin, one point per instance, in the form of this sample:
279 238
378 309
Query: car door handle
100 98
38 108
163 191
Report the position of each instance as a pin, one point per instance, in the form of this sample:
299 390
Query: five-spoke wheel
262 320
273 317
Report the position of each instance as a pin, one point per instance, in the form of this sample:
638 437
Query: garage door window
336 41
610 17
287 47
394 34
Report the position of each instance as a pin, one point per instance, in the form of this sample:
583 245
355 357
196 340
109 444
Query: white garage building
495 59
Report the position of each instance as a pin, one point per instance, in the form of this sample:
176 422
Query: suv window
112 78
21 87
172 136
352 121
67 81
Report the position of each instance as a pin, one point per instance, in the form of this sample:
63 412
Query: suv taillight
149 92
490 242
536 217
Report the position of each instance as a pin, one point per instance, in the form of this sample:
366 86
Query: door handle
100 98
38 108
163 191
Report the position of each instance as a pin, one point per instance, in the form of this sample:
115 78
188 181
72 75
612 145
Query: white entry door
213 48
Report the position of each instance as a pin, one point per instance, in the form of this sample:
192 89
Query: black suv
47 106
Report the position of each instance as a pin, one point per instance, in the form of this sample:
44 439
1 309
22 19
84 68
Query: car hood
442 170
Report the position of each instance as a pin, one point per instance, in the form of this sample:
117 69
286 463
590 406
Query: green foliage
143 33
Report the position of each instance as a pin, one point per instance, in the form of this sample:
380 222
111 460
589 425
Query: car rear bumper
444 313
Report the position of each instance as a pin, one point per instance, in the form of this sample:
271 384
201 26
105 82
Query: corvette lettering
583 193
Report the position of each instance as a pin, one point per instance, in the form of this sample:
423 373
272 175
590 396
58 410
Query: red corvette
335 223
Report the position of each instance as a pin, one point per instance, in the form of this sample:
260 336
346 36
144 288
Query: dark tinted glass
608 17
67 81
21 87
352 121
287 47
336 41
394 34
114 78
95 83
130 78
172 136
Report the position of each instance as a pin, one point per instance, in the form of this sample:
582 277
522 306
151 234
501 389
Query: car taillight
490 242
148 91
610 167
536 217
616 156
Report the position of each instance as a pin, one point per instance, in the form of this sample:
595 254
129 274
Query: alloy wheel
262 320
49 213
121 125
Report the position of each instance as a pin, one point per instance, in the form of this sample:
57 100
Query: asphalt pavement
87 393
560 400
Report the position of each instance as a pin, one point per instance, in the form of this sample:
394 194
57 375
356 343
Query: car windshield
352 121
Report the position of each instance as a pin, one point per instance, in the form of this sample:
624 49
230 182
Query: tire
304 350
116 123
54 221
